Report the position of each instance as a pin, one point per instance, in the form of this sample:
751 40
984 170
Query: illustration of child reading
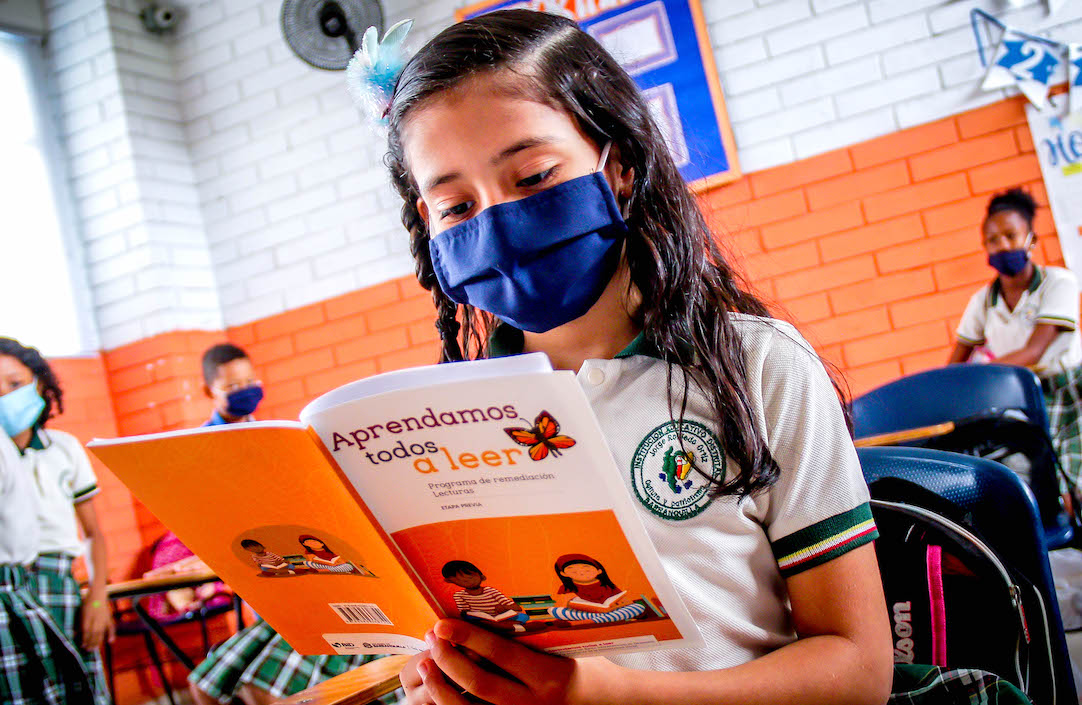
482 604
268 562
319 557
587 593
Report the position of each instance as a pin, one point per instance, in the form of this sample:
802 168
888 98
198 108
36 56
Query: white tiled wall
220 178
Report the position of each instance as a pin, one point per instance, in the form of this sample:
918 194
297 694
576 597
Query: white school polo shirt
19 530
728 558
63 478
1052 298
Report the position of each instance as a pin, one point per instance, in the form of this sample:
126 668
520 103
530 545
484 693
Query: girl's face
1004 231
13 374
581 572
481 144
314 545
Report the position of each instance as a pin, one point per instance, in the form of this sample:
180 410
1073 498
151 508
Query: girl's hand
97 623
445 672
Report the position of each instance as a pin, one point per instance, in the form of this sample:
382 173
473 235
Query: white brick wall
131 175
215 169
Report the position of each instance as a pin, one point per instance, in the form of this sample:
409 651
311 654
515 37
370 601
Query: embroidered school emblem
663 470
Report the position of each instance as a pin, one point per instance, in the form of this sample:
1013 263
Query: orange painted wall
871 250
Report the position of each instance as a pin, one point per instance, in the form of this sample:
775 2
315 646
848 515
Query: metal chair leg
153 651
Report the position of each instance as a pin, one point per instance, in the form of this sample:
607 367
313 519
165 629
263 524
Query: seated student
255 664
66 486
1028 316
39 664
229 380
171 557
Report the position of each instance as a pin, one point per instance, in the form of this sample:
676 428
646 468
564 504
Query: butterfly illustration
542 438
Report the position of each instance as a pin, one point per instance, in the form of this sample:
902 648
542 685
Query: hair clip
374 69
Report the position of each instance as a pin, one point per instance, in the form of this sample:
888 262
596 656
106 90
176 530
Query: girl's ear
422 208
622 177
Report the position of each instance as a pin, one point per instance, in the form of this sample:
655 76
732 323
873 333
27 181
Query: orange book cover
479 490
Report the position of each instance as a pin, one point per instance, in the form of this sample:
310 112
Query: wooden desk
909 434
139 588
357 687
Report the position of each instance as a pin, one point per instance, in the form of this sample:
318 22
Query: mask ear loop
624 208
604 156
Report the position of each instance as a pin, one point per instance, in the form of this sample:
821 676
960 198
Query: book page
485 484
262 505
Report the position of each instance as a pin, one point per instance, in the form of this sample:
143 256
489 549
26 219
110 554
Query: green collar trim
996 289
508 340
36 442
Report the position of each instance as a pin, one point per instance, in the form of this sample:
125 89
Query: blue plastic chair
963 392
1003 511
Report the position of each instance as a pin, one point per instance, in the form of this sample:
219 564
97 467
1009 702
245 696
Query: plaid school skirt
58 591
39 665
1063 400
259 657
931 685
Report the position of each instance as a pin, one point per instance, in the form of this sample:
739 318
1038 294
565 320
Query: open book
580 603
410 496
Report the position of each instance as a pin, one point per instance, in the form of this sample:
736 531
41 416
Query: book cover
396 502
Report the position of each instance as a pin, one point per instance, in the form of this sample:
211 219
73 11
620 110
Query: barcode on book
361 613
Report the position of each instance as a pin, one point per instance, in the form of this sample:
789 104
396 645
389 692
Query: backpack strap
937 601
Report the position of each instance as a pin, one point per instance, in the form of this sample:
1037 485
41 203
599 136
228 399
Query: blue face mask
243 402
539 262
1010 262
20 408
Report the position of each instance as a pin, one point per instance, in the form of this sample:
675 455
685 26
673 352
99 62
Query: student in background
65 484
255 664
1028 316
39 664
229 380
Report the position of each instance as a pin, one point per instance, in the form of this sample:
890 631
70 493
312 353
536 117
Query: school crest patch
663 470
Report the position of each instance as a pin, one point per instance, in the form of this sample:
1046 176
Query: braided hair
37 364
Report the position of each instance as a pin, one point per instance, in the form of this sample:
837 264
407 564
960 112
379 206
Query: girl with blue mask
545 213
65 487
1028 316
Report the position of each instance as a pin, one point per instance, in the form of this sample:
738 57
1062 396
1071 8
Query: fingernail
424 668
430 639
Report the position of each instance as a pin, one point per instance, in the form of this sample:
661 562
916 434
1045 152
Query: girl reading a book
65 486
546 213
586 593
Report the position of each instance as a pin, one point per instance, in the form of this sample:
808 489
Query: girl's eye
457 210
537 179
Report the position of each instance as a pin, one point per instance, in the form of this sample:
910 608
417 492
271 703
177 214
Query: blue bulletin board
664 46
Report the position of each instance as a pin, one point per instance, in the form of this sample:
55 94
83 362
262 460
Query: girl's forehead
11 366
1005 221
475 120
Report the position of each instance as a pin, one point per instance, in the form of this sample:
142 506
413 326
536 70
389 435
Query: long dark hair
39 366
688 289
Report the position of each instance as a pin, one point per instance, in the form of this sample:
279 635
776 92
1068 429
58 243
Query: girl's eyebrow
507 153
520 146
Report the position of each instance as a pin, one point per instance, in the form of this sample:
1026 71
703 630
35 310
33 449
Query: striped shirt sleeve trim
824 541
1061 321
85 494
969 341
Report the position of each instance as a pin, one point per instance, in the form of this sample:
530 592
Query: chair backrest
948 394
1002 510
